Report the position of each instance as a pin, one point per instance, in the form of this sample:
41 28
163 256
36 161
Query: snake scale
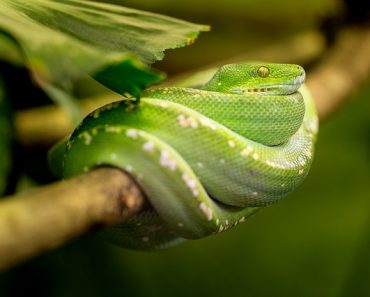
206 158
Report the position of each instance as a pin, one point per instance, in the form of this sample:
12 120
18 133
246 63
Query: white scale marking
148 146
166 161
247 151
231 143
87 137
191 184
186 122
255 156
206 210
207 123
132 133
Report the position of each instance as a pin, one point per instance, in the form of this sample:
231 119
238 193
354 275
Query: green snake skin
206 158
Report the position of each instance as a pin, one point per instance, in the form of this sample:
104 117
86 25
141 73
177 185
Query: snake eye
263 71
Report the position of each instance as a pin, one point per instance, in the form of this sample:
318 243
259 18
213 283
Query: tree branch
342 71
49 216
46 217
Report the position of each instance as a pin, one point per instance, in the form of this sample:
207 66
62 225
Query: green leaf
62 41
5 136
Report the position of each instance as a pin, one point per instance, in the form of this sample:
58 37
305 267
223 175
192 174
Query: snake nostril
300 69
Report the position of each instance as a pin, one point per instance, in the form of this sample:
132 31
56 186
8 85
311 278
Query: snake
208 157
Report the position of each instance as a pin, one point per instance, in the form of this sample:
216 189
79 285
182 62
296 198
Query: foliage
62 42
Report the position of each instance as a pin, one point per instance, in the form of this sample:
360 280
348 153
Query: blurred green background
315 242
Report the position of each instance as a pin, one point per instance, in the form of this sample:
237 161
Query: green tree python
206 158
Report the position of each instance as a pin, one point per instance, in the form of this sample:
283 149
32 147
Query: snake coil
206 158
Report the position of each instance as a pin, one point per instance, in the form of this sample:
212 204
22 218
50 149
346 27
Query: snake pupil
263 71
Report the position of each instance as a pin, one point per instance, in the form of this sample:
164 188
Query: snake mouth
282 89
285 88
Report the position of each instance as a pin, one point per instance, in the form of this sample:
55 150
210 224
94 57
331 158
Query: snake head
261 78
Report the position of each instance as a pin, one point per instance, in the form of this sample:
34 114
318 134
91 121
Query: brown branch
49 216
44 126
46 217
342 71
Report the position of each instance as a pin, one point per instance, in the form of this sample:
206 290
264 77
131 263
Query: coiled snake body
206 158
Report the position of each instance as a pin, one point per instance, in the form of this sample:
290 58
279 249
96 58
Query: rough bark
46 217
